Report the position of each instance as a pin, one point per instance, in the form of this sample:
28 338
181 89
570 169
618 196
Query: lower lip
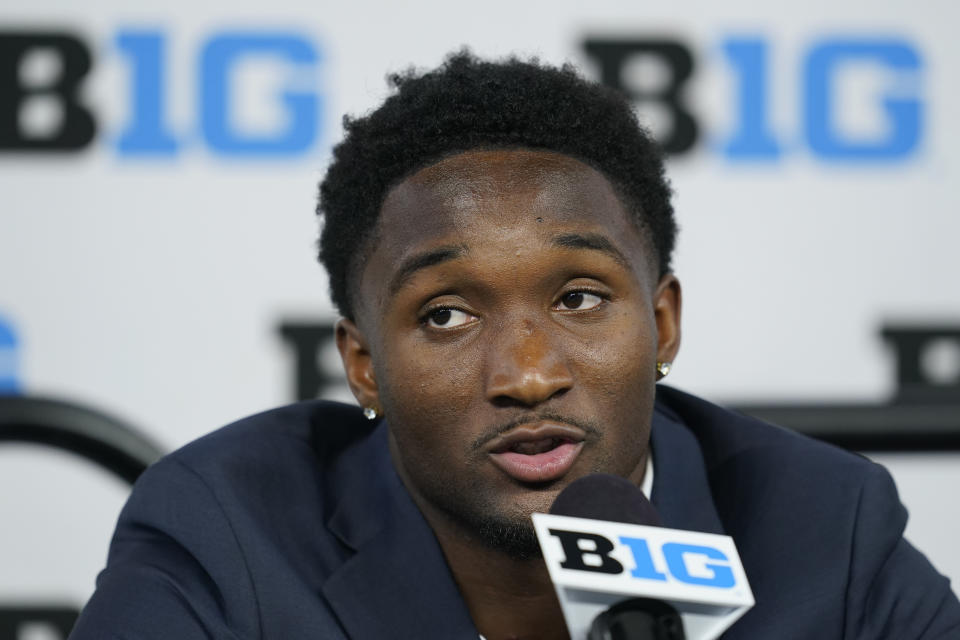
542 467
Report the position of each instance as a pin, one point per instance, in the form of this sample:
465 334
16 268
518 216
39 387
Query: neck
508 598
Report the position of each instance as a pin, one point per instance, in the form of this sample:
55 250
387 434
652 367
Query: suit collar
681 491
398 570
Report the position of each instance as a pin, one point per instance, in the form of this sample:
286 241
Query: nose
525 366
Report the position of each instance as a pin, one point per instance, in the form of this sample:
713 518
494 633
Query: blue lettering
9 384
674 553
903 112
641 557
146 132
752 139
221 54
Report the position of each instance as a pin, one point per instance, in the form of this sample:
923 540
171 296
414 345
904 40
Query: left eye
579 301
447 318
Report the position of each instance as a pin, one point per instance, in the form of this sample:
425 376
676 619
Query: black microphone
601 496
621 576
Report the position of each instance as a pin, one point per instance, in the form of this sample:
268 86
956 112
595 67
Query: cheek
425 390
623 356
618 377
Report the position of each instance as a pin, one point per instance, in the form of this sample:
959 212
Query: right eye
447 318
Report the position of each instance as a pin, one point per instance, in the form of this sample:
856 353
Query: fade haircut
468 104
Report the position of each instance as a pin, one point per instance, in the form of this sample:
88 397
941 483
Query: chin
514 537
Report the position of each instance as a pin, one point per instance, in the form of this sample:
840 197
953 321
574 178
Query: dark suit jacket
293 524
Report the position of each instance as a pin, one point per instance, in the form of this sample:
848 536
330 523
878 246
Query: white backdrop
151 285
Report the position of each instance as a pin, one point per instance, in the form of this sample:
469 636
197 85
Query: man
498 239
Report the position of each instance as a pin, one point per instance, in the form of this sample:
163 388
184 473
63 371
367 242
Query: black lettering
20 622
612 55
575 555
308 341
77 126
910 344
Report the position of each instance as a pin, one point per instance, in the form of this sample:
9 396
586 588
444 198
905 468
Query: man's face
509 321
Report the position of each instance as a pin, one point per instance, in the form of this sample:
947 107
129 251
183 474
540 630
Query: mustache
589 427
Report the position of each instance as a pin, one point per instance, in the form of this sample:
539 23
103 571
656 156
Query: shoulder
729 439
814 524
763 474
220 535
321 426
265 460
290 440
769 481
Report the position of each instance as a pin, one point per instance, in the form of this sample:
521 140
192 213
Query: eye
579 301
447 318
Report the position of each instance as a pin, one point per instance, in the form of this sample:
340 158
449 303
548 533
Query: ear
357 363
667 303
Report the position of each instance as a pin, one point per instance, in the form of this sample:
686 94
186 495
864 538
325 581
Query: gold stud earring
663 368
370 413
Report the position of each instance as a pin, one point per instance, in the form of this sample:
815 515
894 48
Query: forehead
490 198
486 187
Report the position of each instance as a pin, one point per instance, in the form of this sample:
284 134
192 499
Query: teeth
532 448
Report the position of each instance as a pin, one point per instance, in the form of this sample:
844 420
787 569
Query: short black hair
467 104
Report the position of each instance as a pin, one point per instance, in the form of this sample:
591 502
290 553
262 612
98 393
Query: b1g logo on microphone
595 564
655 562
696 564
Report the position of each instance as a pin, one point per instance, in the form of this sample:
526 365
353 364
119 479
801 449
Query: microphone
619 575
602 496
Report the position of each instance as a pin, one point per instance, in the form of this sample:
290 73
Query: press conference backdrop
158 170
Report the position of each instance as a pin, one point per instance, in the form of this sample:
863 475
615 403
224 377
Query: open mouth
539 454
537 446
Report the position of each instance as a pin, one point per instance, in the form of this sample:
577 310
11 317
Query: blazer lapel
397 584
681 492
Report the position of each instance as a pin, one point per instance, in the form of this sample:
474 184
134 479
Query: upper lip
532 432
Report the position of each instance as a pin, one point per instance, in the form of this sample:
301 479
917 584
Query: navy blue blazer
293 524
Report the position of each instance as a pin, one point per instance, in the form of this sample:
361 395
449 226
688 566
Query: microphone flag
595 564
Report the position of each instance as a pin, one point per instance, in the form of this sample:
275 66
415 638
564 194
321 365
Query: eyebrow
409 266
418 261
590 241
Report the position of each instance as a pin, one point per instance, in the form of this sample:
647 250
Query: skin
504 288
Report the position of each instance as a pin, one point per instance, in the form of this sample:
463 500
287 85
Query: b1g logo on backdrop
43 73
9 366
837 84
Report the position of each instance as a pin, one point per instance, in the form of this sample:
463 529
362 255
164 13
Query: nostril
510 401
